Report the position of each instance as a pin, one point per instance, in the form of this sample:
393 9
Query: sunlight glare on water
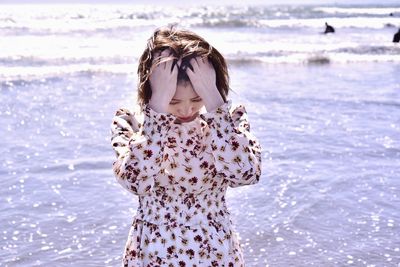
329 192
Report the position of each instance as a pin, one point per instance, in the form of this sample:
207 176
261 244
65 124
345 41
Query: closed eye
197 99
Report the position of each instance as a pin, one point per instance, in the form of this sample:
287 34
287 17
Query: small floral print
147 154
180 174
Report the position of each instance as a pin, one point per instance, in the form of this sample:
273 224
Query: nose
186 110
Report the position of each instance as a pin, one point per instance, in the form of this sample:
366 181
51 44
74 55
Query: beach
324 107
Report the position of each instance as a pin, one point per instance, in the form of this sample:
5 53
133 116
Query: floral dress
180 173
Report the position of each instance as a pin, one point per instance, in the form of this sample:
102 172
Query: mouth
187 119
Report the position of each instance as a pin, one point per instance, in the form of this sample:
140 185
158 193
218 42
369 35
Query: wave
343 55
370 50
41 20
109 39
35 60
256 45
12 75
256 51
384 11
97 28
315 58
125 27
337 22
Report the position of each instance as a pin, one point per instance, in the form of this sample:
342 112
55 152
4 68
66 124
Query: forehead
184 91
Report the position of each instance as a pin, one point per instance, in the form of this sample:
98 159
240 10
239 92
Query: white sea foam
354 22
40 41
34 73
359 10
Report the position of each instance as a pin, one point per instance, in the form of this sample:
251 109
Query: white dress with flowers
181 172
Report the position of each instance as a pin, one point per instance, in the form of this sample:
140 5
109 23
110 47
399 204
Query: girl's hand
163 81
203 79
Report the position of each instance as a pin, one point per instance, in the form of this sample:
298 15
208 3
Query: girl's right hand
163 81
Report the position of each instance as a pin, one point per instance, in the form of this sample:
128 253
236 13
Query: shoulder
237 111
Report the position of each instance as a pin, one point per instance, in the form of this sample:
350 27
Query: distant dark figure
396 37
328 28
391 14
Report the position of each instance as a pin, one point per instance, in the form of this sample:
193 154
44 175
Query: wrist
157 105
213 102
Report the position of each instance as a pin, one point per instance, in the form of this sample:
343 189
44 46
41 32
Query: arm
138 149
236 151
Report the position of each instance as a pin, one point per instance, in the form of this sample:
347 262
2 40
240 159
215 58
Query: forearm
236 151
139 152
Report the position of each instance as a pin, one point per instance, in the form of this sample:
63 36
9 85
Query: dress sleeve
236 151
138 148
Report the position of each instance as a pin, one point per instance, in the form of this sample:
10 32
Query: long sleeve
237 153
139 148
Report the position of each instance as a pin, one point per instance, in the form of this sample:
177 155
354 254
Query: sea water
325 108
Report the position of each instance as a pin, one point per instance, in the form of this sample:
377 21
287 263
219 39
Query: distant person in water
396 37
329 28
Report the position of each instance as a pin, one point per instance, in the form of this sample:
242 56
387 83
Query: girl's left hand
203 79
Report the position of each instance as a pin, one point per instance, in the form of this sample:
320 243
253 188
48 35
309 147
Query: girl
179 160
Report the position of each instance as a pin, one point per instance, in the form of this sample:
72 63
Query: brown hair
183 44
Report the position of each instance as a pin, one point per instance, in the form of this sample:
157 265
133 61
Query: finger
174 63
209 63
184 63
169 64
161 59
157 54
174 72
196 59
193 65
189 66
179 63
167 56
204 61
190 73
156 57
165 53
200 62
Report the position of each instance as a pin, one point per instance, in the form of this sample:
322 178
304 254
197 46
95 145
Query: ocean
326 109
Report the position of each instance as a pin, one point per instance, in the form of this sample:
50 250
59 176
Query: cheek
172 109
198 105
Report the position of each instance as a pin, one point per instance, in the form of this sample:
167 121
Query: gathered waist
195 222
183 210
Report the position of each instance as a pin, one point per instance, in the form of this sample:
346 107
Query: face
186 104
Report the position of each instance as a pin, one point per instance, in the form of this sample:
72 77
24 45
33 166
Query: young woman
179 159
